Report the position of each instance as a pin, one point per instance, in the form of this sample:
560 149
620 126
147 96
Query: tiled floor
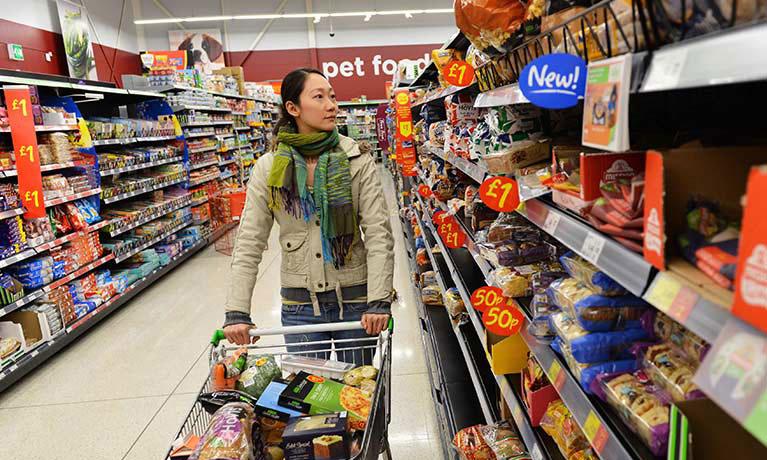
123 390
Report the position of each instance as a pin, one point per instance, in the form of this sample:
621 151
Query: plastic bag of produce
262 369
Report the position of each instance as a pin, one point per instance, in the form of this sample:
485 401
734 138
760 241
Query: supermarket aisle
123 389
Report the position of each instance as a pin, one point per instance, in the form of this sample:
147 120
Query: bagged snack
213 401
261 370
671 372
640 405
493 26
596 312
489 442
559 423
454 304
228 435
677 336
585 272
594 347
516 281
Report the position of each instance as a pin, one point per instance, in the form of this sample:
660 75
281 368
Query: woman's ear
292 108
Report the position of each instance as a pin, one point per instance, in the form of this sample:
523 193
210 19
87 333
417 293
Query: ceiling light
365 14
316 19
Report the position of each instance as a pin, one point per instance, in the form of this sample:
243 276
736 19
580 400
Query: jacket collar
349 146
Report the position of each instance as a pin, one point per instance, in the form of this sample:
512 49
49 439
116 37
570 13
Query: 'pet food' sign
554 81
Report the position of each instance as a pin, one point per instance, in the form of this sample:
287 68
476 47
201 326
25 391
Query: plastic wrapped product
596 312
594 347
680 338
585 272
431 295
501 231
541 309
498 441
422 260
559 423
670 371
428 278
515 281
586 373
454 304
261 370
511 253
641 405
228 435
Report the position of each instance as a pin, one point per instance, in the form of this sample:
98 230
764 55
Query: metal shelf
131 140
207 123
202 180
151 242
202 108
127 195
68 198
182 204
505 95
204 164
137 167
192 135
203 149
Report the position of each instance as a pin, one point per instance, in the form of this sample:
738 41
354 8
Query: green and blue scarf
332 193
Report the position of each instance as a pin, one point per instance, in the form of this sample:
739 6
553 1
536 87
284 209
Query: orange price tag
454 239
503 319
486 297
459 73
500 193
424 191
439 216
24 139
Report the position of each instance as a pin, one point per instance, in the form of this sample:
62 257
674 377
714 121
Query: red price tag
438 216
503 319
500 194
459 73
424 191
486 297
454 239
24 139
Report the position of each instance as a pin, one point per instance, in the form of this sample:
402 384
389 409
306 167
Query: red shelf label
486 297
503 319
459 73
500 194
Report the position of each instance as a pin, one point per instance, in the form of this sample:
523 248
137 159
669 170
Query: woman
324 195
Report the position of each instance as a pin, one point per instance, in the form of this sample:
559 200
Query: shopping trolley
375 439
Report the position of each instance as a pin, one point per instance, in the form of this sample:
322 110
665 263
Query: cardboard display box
537 401
506 355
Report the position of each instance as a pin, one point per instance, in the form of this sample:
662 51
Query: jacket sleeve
379 242
252 236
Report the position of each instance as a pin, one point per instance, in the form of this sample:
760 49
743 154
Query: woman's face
317 106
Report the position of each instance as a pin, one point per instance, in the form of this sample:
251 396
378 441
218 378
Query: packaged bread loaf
594 347
585 272
586 373
559 423
454 304
516 281
678 337
594 312
228 435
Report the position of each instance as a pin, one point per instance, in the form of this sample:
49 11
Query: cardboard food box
506 355
311 394
521 154
316 437
268 404
537 401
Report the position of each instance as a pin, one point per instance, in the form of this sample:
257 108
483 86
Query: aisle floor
123 389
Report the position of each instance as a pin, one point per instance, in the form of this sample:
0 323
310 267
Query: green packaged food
262 369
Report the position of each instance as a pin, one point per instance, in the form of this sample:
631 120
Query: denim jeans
303 314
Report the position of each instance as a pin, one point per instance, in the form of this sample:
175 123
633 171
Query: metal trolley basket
375 439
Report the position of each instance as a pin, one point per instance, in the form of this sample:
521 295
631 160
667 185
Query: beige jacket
371 262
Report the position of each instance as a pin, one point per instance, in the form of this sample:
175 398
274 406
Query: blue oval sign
554 81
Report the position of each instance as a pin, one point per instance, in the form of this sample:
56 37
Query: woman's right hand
239 334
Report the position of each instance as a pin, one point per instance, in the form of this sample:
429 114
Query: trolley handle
218 335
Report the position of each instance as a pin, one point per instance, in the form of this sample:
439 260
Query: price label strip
592 247
25 146
552 222
557 375
595 432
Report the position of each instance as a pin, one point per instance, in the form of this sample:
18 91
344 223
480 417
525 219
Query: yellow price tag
554 370
592 426
663 292
85 134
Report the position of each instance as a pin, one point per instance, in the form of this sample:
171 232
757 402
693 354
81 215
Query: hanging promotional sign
172 59
24 139
500 193
459 73
554 81
405 145
78 46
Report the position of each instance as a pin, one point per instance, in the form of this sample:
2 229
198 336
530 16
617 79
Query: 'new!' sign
554 81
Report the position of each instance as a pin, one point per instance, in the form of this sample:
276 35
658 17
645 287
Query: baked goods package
454 304
559 423
670 371
595 347
594 312
317 437
680 338
585 272
640 404
541 309
228 435
493 26
512 253
431 295
498 441
516 281
586 373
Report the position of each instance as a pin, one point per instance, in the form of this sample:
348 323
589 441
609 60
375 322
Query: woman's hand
238 334
374 323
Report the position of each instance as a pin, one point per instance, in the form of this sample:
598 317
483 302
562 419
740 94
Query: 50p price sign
503 319
25 147
486 297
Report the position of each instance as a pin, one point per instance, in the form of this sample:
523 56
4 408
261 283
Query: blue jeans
303 314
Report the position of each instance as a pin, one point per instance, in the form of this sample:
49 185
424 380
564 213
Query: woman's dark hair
292 86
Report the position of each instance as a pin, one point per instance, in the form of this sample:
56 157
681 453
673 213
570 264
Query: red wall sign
405 147
500 193
25 147
459 73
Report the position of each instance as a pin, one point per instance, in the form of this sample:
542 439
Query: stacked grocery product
127 128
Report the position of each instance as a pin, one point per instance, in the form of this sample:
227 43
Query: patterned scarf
332 195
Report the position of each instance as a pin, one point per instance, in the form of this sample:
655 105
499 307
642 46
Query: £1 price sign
503 319
25 147
459 73
451 232
486 297
424 190
500 193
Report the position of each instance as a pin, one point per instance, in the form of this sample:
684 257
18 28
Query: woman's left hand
374 323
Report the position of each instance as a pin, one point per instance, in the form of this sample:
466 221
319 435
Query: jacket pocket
294 253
